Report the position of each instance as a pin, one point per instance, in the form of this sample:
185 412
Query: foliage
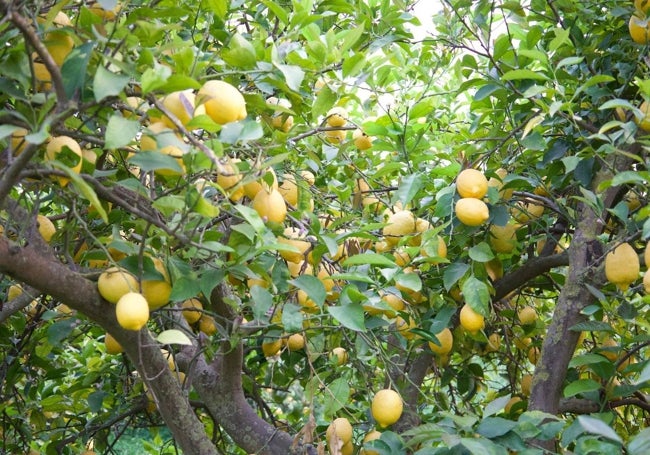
542 97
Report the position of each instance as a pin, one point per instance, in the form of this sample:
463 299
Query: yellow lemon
471 183
45 227
223 102
361 140
398 225
112 346
114 282
293 236
503 239
207 325
527 315
132 311
622 266
295 342
270 206
639 29
472 211
181 105
157 292
56 147
271 347
386 407
192 310
446 339
340 354
340 427
471 320
337 116
526 384
511 403
371 436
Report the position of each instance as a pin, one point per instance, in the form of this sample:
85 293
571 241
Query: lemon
223 102
115 282
271 347
386 407
527 315
511 403
526 384
132 311
524 212
395 302
371 436
14 291
337 116
45 227
472 211
471 183
361 140
340 354
639 29
503 239
270 206
157 292
292 236
295 342
494 269
347 449
622 266
181 104
280 120
646 252
207 325
289 190
471 320
646 282
112 346
18 141
340 427
446 340
59 44
55 148
398 225
494 342
228 178
192 310
533 355
335 136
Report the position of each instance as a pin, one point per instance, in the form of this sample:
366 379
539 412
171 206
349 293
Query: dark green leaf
107 84
350 316
120 131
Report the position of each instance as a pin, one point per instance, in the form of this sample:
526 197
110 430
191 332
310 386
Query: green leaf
293 75
350 316
152 160
369 259
292 317
335 396
240 53
454 272
261 302
520 74
60 330
581 386
251 217
96 400
496 405
481 252
312 286
639 444
323 102
477 295
492 427
173 336
154 78
185 287
107 84
242 131
218 7
120 131
84 189
73 71
351 37
410 281
598 427
408 189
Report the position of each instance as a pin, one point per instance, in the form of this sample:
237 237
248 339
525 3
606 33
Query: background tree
294 227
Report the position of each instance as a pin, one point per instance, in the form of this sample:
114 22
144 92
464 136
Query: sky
424 9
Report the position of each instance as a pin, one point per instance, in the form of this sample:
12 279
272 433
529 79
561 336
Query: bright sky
423 10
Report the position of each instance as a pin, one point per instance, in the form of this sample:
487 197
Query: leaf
581 386
521 74
596 426
152 160
173 336
492 427
242 131
154 78
84 189
293 75
350 316
408 189
454 272
251 217
312 286
410 281
532 123
261 302
107 84
60 330
481 252
292 317
73 71
120 131
240 53
645 375
369 259
495 406
477 295
96 400
335 396
639 444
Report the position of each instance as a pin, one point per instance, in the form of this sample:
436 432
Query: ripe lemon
295 342
644 122
526 384
59 44
271 347
292 236
361 140
446 340
395 302
289 189
14 291
639 29
340 427
337 116
503 239
371 436
471 320
335 136
642 6
228 178
270 206
114 282
207 325
347 449
524 212
646 252
192 310
56 147
527 315
132 311
471 183
112 346
223 102
622 266
494 343
646 282
511 403
398 225
533 355
341 355
472 211
281 120
18 141
45 227
181 104
494 269
157 292
386 407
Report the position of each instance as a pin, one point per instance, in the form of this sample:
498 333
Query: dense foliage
543 97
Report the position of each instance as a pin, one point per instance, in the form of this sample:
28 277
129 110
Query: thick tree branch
531 269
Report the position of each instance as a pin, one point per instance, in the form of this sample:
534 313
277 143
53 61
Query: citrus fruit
646 282
45 227
503 239
527 315
361 140
270 206
335 136
337 116
642 6
340 354
526 384
157 292
639 29
644 122
622 266
341 428
192 310
289 190
295 342
347 449
371 436
18 141
132 311
511 403
471 320
59 44
207 325
114 282
55 151
646 252
228 178
14 291
446 340
386 407
471 183
472 211
112 346
398 225
533 354
281 120
524 212
271 347
223 102
394 301
292 236
494 342
181 104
